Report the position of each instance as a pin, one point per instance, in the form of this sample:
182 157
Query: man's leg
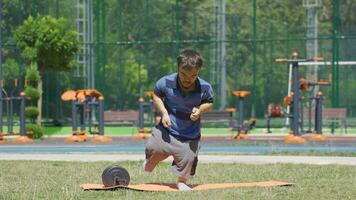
157 149
152 159
185 161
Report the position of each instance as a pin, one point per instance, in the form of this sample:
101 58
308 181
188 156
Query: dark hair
190 58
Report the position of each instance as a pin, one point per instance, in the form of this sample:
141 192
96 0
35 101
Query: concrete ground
245 159
205 157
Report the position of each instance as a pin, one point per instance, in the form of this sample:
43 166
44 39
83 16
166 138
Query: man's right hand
166 121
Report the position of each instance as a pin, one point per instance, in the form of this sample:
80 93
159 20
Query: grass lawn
112 131
130 130
122 131
60 180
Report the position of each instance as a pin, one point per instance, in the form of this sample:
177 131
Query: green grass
112 131
122 131
60 180
129 130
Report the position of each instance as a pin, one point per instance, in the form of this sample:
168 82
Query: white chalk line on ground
244 159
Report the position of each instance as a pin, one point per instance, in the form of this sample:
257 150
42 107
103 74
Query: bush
31 112
11 69
33 76
36 130
33 93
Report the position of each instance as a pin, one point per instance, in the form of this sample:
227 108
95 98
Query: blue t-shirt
180 105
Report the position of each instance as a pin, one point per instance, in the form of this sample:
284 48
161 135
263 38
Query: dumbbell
115 175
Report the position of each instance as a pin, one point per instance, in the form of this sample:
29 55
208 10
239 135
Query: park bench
131 117
333 117
121 117
218 116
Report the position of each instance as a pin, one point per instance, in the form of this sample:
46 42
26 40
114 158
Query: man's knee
187 165
149 165
148 168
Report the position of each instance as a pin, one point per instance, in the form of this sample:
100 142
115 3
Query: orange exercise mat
171 187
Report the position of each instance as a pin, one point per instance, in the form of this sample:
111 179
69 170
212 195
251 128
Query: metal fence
126 45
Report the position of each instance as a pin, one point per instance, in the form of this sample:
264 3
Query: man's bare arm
205 107
157 101
197 112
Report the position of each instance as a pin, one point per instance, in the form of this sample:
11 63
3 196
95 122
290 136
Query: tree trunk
39 103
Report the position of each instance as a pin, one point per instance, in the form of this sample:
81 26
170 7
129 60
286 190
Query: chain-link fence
127 45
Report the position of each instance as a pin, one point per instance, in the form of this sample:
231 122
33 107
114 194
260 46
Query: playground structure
242 127
85 102
9 100
294 101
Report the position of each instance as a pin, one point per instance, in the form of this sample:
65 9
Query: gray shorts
184 152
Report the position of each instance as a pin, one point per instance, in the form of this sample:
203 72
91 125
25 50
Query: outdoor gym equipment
276 110
10 99
114 176
242 127
293 99
85 102
318 98
145 107
273 111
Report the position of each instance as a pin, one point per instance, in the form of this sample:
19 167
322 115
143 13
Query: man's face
187 76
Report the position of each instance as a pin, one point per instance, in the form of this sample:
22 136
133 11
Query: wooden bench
331 116
218 116
131 117
121 117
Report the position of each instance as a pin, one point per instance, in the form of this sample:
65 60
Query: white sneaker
183 187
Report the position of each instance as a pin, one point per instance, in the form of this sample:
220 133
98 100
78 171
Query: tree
126 83
11 70
48 44
32 112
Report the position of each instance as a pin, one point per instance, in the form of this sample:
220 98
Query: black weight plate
115 175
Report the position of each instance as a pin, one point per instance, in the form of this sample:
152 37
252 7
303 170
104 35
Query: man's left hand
195 114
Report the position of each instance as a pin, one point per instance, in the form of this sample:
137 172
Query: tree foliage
48 42
144 35
11 69
126 84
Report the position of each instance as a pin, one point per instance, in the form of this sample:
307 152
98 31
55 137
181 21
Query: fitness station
243 126
13 100
294 101
86 103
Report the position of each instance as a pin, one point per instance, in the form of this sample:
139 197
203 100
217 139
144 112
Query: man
181 98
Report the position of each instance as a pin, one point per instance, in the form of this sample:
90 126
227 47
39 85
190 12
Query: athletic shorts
184 152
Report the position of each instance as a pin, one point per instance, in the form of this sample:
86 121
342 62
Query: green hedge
31 112
33 93
36 129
